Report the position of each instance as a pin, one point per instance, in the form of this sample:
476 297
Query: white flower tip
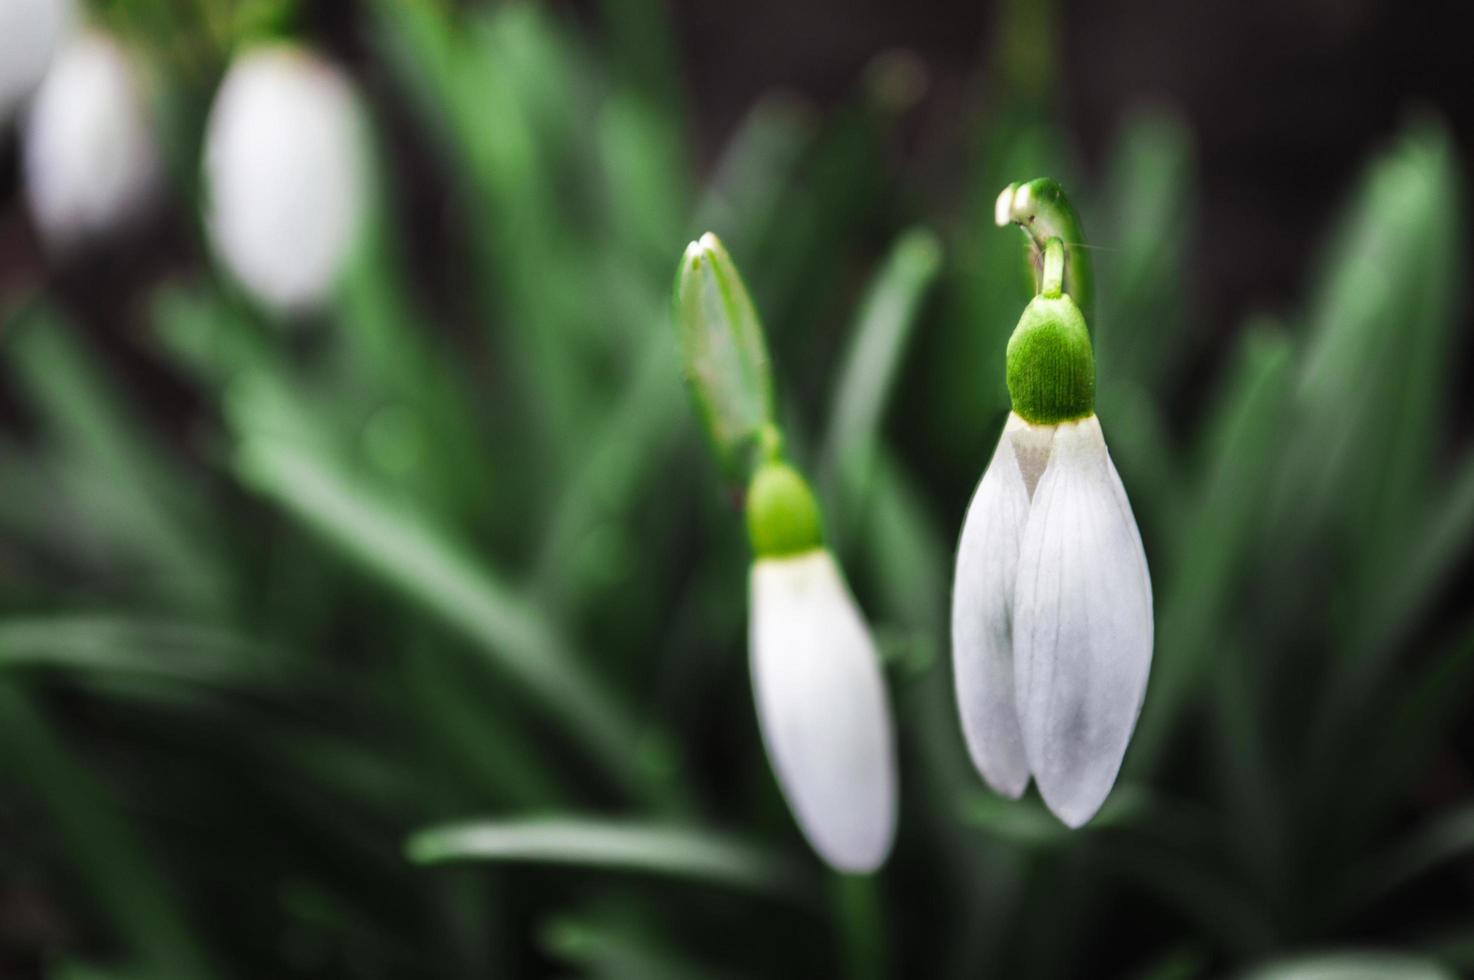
1009 784
1003 207
1075 812
822 709
92 163
30 33
284 173
1022 198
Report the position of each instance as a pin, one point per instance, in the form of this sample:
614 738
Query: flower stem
860 920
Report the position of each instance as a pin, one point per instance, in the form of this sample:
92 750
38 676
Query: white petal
283 174
982 618
92 162
1082 626
822 707
30 33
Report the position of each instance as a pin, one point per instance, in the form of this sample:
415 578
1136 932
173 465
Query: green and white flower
1052 603
284 174
821 699
816 678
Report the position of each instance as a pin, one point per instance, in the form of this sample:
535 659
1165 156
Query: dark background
1283 102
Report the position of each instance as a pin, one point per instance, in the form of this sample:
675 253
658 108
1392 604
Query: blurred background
370 605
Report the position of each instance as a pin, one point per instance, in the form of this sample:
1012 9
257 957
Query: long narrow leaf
667 850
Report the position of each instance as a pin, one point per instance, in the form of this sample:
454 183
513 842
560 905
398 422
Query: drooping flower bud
284 174
92 161
1052 625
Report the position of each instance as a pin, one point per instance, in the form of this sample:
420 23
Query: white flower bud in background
284 178
91 155
30 33
821 699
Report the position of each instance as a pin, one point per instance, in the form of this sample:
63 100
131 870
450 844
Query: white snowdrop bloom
821 699
284 177
91 156
1052 605
30 32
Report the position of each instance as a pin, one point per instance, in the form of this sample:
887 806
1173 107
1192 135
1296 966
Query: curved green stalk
1042 210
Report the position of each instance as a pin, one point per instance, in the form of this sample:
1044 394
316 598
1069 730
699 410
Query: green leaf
742 197
620 460
427 567
115 473
102 848
878 345
1448 838
149 649
610 950
667 850
1212 545
1350 966
1144 235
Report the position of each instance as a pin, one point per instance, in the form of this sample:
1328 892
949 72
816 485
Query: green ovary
782 514
1051 367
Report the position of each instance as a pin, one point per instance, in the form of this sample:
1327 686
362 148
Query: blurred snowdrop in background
284 174
30 32
92 157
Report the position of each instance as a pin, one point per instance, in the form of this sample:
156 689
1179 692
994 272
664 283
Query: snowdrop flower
284 174
91 159
821 700
1052 602
30 32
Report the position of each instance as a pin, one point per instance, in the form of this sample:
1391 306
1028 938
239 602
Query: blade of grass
147 649
1448 837
425 566
611 951
1148 221
741 201
111 467
104 851
878 345
1213 542
661 849
1367 965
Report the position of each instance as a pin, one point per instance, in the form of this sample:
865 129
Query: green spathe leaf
1042 210
723 352
664 849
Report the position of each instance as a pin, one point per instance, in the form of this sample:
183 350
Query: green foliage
290 612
